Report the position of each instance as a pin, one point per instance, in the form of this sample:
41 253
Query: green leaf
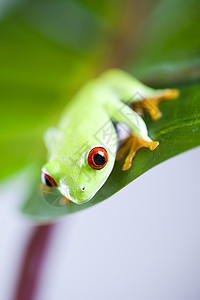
177 131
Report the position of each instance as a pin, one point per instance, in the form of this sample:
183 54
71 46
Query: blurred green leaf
45 56
177 131
169 48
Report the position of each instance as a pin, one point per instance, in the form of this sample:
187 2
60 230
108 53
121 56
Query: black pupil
99 159
46 181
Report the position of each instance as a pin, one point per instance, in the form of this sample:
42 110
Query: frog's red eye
97 158
48 180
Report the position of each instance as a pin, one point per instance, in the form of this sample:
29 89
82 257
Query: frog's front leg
151 104
139 136
132 144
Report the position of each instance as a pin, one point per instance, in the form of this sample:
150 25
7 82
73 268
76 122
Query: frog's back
88 105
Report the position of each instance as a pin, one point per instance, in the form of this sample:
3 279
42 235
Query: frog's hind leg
139 138
132 145
151 104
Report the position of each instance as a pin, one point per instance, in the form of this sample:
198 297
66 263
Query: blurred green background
48 49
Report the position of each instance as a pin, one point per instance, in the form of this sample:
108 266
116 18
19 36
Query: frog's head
77 176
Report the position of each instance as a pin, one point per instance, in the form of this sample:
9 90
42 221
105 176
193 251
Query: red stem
32 263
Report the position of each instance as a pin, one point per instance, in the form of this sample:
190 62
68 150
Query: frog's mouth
66 199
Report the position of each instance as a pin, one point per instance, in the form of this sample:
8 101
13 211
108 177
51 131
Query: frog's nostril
83 188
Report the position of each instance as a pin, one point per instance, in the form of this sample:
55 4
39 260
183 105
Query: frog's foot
151 104
64 201
133 145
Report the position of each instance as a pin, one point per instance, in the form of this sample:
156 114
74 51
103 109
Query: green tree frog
83 148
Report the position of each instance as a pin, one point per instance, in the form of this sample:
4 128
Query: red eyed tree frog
83 148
